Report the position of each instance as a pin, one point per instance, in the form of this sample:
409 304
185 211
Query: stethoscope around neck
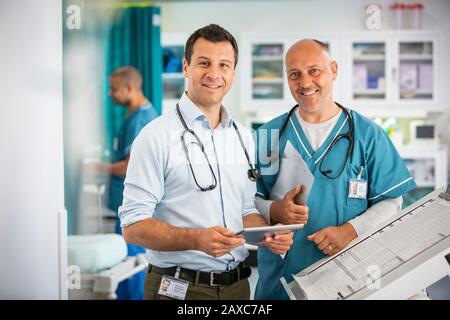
252 173
348 135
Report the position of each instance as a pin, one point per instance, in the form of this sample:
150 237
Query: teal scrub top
128 131
328 202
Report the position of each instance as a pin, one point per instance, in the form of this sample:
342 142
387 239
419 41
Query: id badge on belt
358 187
173 287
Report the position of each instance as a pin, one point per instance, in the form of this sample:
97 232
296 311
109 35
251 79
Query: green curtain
134 40
114 35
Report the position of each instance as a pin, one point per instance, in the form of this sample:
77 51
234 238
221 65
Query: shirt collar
192 113
225 117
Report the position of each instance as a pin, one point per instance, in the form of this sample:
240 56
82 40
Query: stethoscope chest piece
253 174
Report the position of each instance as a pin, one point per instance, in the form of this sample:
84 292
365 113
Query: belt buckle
211 279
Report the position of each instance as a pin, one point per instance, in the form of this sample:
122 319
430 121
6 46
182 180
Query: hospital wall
288 17
32 217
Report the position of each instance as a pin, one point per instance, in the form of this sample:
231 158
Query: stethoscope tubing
253 173
349 135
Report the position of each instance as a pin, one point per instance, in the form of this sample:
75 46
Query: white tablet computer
255 235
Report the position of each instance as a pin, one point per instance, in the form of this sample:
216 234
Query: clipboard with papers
293 171
394 260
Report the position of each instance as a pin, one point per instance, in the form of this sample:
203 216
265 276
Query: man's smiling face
310 73
210 72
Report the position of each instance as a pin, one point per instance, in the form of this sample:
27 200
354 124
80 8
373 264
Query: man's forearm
275 209
254 220
118 168
376 214
161 236
269 209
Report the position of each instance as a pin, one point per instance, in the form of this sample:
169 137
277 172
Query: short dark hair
128 75
213 33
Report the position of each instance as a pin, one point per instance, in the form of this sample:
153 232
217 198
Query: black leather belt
213 279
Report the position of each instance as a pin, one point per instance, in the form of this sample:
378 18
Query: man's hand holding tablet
261 235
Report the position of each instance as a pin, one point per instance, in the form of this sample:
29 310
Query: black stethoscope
349 136
252 173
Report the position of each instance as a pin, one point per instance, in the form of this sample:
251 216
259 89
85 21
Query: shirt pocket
357 205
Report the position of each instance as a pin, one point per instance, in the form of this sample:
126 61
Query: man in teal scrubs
356 185
126 90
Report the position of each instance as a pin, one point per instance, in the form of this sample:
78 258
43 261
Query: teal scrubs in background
133 288
329 204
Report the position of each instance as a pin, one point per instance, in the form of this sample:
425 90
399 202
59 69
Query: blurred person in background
125 86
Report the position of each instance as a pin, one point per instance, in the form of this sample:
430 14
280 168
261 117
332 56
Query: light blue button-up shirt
159 182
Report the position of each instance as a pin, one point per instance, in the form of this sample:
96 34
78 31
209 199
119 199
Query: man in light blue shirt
188 187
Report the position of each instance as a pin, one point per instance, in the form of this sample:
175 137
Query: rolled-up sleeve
249 206
144 181
263 206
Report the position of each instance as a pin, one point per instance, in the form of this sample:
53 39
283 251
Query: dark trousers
239 290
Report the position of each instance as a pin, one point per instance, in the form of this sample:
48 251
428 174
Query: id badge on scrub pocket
173 287
358 187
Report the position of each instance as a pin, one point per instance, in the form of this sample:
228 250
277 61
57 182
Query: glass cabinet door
422 170
415 70
173 78
369 71
267 71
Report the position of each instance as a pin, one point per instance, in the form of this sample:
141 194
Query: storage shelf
425 184
427 152
370 57
418 92
424 91
175 75
268 58
421 150
267 80
374 92
413 56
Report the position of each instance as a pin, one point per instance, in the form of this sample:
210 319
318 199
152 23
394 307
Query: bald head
128 76
310 45
310 73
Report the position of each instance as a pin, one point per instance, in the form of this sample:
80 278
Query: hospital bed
97 264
